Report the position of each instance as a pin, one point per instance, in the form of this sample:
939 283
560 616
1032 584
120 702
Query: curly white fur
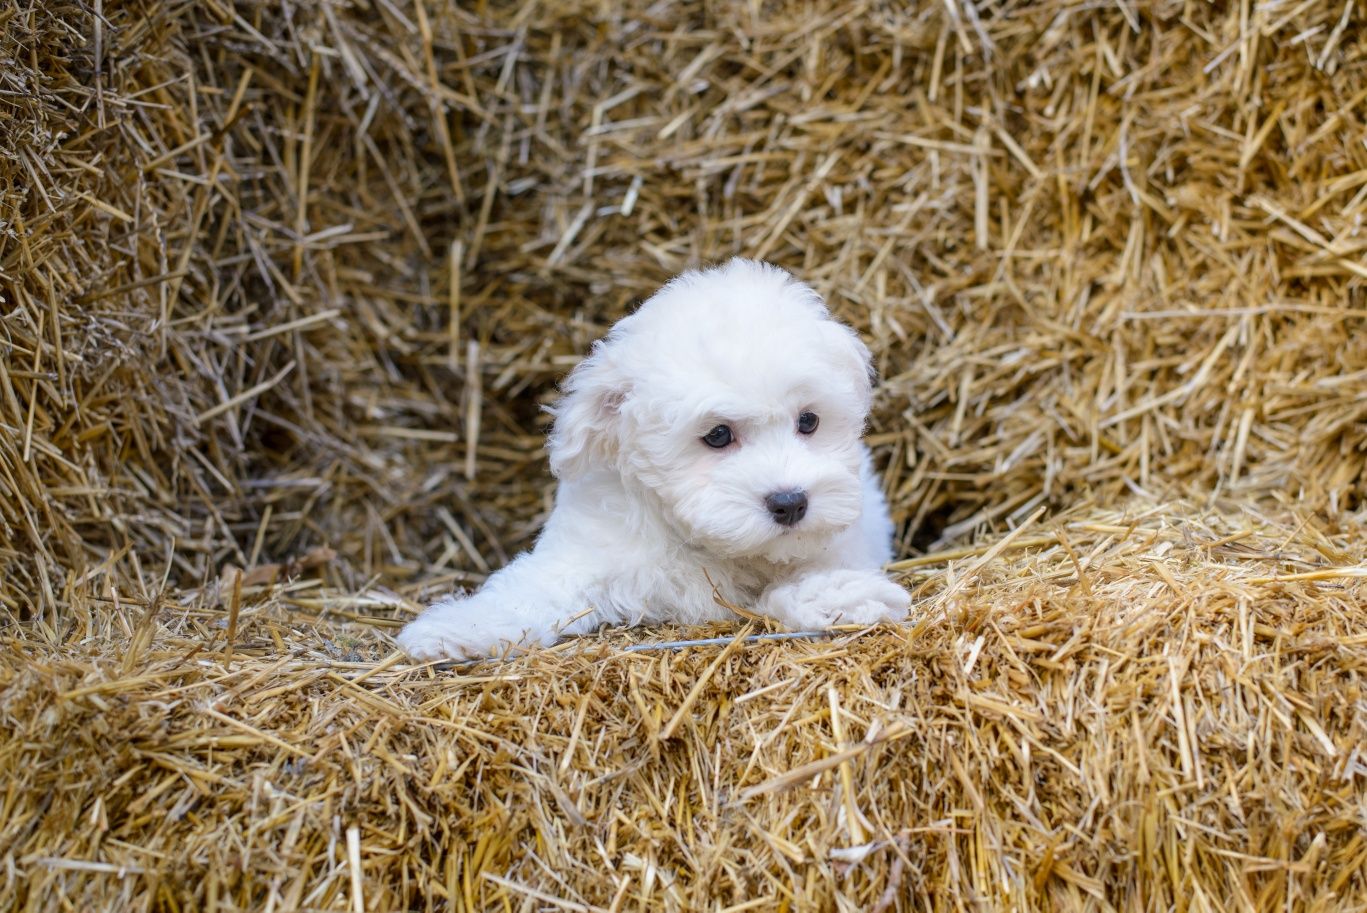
653 525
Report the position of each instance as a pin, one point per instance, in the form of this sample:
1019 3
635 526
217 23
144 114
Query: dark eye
807 422
718 437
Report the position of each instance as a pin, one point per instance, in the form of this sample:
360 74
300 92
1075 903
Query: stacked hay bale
284 288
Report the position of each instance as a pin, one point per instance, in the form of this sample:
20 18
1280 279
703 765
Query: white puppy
708 449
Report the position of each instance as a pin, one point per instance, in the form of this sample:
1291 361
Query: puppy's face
736 402
770 472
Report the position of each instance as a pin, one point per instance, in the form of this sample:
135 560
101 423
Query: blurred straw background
284 287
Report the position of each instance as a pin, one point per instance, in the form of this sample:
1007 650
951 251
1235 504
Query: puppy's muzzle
787 507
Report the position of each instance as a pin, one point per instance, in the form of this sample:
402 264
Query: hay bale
284 287
1155 709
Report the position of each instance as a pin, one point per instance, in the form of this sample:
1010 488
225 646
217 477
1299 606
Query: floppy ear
587 430
855 358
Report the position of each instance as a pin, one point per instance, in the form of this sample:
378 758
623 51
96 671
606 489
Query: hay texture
283 287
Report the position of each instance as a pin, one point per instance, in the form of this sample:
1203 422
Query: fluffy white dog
709 448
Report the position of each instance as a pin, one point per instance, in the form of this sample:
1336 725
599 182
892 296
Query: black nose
787 507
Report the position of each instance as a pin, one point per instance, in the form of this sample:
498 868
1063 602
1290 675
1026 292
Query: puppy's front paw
825 598
466 628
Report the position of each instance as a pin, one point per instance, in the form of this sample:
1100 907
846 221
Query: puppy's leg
535 600
821 598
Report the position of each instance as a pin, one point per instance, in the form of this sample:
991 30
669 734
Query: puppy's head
735 401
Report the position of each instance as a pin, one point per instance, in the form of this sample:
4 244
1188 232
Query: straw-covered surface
283 287
1145 711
